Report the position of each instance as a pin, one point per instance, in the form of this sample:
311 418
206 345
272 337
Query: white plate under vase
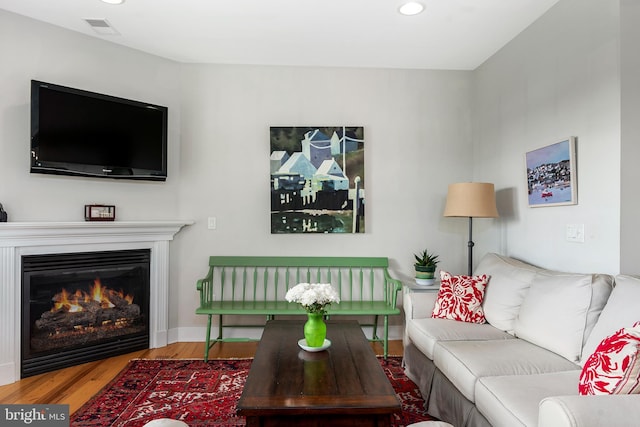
303 345
425 282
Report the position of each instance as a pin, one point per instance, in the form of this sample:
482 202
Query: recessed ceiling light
113 1
410 8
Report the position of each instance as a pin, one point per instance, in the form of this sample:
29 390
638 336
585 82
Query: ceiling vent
102 27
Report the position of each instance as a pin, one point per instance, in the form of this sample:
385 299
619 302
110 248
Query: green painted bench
246 285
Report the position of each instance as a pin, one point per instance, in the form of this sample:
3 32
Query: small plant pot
425 274
425 282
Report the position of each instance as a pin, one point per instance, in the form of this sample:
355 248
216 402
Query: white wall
416 125
558 78
423 130
33 50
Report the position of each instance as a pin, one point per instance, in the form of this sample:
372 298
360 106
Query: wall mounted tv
80 133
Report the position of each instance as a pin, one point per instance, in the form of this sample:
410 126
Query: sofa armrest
419 305
589 411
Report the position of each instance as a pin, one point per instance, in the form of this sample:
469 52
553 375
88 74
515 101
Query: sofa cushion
554 313
513 400
425 333
464 362
614 368
616 314
460 298
601 288
509 281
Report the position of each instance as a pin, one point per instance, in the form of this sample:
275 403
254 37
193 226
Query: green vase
315 330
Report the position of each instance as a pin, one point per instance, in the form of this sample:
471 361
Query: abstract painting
317 179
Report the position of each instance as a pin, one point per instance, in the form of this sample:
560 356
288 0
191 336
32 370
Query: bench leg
207 339
208 344
375 328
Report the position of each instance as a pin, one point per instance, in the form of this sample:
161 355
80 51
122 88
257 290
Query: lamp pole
470 246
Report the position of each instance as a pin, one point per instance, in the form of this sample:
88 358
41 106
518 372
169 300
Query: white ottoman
430 424
165 422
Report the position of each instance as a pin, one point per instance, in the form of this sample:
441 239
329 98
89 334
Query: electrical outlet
211 223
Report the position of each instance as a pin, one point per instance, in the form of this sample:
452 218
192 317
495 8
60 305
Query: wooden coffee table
341 386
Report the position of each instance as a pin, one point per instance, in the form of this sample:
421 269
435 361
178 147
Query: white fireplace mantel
32 238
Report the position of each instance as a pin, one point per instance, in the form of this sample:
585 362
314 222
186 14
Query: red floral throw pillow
614 368
460 298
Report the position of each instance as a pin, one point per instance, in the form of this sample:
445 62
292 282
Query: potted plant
425 266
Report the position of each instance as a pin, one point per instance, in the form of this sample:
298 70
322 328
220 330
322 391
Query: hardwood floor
76 385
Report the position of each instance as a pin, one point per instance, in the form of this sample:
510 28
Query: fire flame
98 293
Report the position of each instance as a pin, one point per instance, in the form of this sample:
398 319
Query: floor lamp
472 200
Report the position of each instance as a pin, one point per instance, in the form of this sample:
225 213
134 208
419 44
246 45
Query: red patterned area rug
203 394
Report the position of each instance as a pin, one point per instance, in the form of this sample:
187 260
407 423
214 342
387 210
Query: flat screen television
81 133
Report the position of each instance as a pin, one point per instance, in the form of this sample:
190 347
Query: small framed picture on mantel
551 174
99 213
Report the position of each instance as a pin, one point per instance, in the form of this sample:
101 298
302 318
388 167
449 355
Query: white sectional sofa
522 367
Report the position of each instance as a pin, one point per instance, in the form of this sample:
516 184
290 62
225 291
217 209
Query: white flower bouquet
314 297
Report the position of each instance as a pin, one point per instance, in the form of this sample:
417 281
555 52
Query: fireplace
80 307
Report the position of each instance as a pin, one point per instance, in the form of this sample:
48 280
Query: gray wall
417 125
423 130
630 152
33 50
558 78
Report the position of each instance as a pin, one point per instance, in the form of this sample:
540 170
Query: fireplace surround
83 306
19 239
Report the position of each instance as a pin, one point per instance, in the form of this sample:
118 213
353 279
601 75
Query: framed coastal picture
317 179
551 174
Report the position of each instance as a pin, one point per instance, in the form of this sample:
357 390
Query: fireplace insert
80 307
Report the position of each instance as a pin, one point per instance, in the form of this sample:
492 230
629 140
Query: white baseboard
8 373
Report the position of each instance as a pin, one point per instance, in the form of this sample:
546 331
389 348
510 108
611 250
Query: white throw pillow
554 313
509 282
622 309
601 287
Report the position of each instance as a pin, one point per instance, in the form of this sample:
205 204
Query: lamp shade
471 199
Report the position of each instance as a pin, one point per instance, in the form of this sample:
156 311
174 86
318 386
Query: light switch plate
575 233
211 223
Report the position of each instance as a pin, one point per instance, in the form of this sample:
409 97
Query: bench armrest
394 287
205 287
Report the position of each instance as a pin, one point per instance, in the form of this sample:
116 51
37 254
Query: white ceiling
449 34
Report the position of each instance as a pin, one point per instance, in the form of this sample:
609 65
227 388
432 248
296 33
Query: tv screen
75 132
